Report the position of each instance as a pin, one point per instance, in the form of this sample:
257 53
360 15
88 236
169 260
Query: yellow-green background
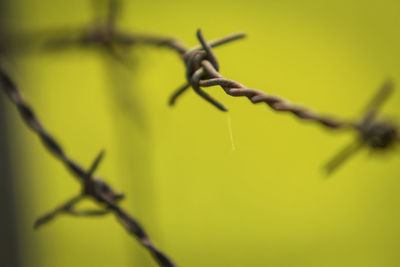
265 204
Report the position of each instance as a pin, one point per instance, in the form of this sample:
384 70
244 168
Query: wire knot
193 63
380 134
195 60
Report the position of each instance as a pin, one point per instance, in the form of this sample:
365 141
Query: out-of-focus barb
115 48
375 133
103 33
92 187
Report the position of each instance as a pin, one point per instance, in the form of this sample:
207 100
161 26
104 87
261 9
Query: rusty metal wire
92 186
202 70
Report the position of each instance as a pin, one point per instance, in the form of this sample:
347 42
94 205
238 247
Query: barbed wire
115 48
104 33
92 186
202 70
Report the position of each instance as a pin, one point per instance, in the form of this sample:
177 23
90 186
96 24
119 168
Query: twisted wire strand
277 103
92 186
202 71
377 133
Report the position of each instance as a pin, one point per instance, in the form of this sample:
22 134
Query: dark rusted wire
93 187
202 70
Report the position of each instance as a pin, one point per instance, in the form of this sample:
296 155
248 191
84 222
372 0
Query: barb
92 187
202 70
377 134
114 47
104 33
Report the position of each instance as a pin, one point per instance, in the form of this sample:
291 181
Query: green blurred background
265 204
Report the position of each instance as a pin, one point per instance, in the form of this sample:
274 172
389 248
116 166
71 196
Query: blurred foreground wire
92 187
